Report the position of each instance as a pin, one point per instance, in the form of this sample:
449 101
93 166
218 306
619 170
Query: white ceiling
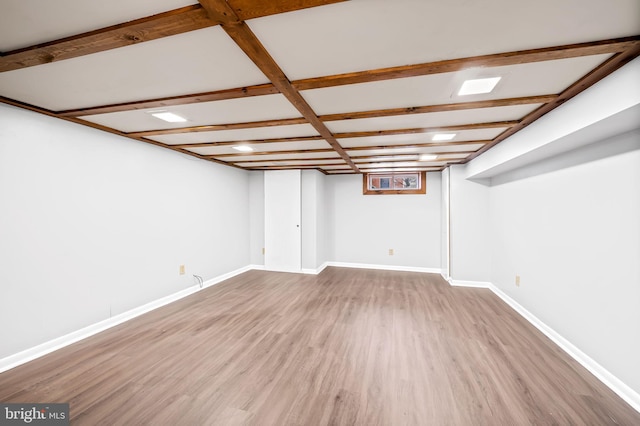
289 157
295 130
433 119
368 34
540 78
361 37
420 138
28 22
242 110
267 147
194 62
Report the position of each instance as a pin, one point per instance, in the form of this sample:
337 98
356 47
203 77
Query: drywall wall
323 225
92 225
314 220
569 227
365 227
469 231
309 213
444 223
256 217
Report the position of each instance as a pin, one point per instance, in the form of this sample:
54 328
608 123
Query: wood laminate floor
346 347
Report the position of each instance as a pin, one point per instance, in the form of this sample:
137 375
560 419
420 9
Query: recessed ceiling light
243 148
428 157
443 136
168 116
480 85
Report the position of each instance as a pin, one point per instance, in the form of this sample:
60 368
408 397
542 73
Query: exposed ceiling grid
338 86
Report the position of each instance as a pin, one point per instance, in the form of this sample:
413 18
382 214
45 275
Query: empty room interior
313 212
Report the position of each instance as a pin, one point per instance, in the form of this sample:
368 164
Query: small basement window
394 183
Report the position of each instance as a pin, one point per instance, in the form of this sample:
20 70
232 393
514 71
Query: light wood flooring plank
346 347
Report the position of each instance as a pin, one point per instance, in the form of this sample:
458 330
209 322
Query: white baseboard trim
385 267
42 349
619 387
315 271
256 267
473 284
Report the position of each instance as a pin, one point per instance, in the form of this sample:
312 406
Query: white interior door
282 236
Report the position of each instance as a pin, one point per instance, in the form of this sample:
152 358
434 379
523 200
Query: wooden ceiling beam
315 138
360 148
452 65
214 127
376 169
250 142
474 126
404 157
416 145
221 12
219 95
361 159
250 154
238 161
312 165
269 89
165 24
330 172
436 160
541 99
249 9
404 169
292 168
332 117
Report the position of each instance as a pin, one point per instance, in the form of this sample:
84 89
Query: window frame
422 184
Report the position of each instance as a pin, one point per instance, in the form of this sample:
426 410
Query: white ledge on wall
606 109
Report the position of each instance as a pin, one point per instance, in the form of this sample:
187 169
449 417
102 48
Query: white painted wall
323 225
469 228
365 227
92 225
570 227
444 223
315 226
309 205
256 216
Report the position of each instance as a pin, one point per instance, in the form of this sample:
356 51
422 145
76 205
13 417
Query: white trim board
45 348
629 395
473 284
315 271
386 267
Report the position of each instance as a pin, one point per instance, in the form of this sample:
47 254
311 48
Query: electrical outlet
181 269
390 252
262 250
517 280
